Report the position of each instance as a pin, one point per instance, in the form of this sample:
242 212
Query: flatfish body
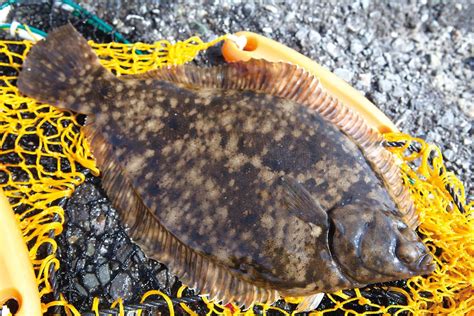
245 194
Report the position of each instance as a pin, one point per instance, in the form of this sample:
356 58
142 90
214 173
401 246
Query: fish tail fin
63 70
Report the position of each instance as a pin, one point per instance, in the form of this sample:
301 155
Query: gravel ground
414 59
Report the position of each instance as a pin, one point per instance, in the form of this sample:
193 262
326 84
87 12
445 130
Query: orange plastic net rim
31 188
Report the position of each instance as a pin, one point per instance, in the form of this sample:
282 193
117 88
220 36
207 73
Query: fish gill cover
87 262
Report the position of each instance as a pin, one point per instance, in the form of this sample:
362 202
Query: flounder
248 180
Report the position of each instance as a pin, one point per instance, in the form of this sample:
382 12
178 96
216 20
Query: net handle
17 277
246 45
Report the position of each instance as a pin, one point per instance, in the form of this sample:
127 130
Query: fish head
371 245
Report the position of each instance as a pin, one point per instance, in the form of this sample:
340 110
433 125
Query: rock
354 23
248 9
79 288
469 62
344 74
356 47
384 85
104 274
403 46
365 79
434 60
90 282
90 249
163 278
121 286
380 61
447 120
398 92
332 50
448 154
271 8
314 37
302 35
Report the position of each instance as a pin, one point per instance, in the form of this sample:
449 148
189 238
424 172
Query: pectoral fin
300 203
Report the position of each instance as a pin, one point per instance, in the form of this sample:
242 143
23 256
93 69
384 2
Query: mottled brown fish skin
241 185
209 163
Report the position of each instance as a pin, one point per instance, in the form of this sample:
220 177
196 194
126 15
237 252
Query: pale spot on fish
267 221
116 115
70 99
149 153
236 162
135 164
315 230
266 175
296 133
173 103
279 135
256 162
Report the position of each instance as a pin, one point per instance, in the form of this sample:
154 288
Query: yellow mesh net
36 136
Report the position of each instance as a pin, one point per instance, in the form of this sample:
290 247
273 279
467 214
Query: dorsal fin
292 82
195 269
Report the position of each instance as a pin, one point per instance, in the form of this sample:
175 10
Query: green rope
78 11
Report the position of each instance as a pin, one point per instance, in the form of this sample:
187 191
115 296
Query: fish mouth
425 263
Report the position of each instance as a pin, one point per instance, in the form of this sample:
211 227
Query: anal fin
310 303
193 268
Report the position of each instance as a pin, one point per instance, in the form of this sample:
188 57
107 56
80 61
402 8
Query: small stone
448 154
163 278
435 61
467 141
469 62
90 249
380 61
365 79
267 29
314 37
354 23
198 28
447 120
398 92
104 274
384 85
403 46
248 9
365 4
290 17
332 50
356 47
82 291
302 35
121 286
344 74
90 281
98 225
271 8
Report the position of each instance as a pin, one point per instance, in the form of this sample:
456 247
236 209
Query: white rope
239 41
